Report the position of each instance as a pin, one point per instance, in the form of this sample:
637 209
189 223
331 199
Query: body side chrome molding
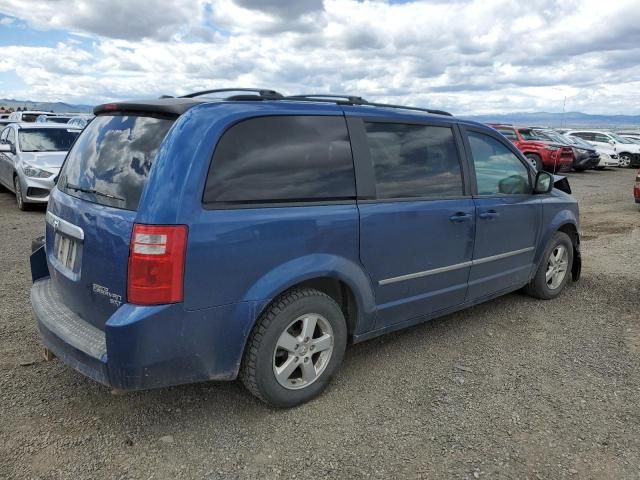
426 273
456 266
62 226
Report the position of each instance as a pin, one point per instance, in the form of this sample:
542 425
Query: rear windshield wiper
92 191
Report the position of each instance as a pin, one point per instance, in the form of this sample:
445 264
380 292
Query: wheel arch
340 278
567 223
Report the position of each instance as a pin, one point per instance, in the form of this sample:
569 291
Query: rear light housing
156 264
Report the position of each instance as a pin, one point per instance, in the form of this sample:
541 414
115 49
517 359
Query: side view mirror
544 183
611 142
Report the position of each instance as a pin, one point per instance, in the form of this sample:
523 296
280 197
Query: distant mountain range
542 119
56 107
569 119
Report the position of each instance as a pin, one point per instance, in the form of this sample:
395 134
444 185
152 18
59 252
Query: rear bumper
74 341
145 347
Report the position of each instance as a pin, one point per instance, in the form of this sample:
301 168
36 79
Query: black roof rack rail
418 109
339 99
355 100
260 93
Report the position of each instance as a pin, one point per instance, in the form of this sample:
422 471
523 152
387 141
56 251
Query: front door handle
460 217
489 215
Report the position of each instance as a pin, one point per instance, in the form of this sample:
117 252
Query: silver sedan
30 158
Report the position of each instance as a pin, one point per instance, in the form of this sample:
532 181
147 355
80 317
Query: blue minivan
256 235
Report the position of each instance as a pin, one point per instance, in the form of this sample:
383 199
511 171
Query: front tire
295 348
555 268
625 160
19 197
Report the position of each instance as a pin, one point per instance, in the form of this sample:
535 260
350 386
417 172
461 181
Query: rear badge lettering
114 298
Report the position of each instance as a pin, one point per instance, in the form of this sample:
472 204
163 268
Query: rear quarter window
282 159
110 162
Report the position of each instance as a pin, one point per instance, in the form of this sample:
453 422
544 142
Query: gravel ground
514 388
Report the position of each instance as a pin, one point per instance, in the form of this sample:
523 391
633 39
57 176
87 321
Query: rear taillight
156 264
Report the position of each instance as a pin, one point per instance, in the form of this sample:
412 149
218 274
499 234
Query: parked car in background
627 151
30 158
629 133
80 121
201 240
606 156
54 118
28 116
541 152
585 157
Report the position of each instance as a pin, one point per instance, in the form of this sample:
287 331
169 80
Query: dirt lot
514 388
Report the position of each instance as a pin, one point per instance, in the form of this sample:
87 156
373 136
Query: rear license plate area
65 251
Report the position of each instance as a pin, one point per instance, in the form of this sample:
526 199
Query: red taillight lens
156 264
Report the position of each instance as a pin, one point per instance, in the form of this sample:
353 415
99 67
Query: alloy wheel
557 266
303 351
625 160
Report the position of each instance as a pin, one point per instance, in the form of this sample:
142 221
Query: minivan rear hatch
92 211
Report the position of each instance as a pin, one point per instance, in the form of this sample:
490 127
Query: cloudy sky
466 56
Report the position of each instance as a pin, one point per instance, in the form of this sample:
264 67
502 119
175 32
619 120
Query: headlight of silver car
34 172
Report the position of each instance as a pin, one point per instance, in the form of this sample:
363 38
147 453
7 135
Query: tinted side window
598 137
282 158
498 170
414 160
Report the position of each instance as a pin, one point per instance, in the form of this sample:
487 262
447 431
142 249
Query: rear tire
535 160
555 268
284 365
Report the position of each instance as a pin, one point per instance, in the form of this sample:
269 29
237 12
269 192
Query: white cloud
465 56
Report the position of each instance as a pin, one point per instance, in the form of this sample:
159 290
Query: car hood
44 159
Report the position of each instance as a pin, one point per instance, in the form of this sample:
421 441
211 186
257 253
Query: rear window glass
111 161
510 133
282 159
46 140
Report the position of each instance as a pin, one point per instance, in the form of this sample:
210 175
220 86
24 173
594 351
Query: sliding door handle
460 217
489 215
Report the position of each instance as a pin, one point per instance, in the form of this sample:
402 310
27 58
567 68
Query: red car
543 154
636 188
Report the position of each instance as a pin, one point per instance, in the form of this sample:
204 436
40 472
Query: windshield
58 119
620 139
556 137
111 161
530 134
578 142
46 140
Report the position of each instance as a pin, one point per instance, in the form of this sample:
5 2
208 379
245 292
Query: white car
26 116
31 155
626 149
608 157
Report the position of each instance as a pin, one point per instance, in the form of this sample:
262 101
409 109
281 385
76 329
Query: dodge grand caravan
190 239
